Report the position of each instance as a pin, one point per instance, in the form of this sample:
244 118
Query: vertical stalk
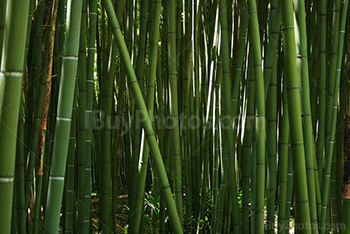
176 152
11 73
63 120
293 96
254 40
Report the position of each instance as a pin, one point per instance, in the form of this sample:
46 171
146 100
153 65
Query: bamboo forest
174 116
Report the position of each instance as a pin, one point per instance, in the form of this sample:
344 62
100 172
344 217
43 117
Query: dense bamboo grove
179 116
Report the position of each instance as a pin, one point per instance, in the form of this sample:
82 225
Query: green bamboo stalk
64 114
242 46
322 88
330 146
216 162
147 123
176 152
247 152
303 68
271 133
287 219
227 113
302 202
13 55
275 24
70 171
283 167
43 127
333 56
105 186
39 91
254 40
89 99
19 176
83 221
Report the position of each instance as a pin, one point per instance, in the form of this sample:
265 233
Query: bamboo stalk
13 55
64 114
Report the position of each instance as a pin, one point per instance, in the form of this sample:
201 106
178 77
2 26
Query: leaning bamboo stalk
147 123
11 73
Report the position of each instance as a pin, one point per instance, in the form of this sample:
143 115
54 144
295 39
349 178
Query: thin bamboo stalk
227 113
254 41
330 146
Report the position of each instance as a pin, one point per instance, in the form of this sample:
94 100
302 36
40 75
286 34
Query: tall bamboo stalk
302 200
330 146
254 41
64 114
12 60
